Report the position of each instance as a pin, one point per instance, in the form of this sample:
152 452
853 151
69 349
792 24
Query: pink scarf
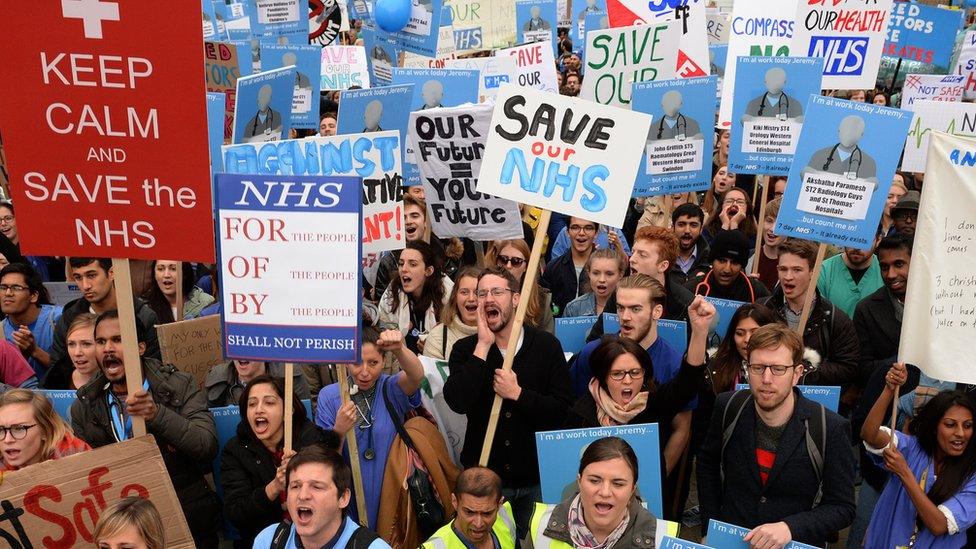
608 412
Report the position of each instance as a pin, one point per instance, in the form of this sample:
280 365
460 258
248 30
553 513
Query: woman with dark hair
732 213
252 464
725 368
605 513
513 256
930 499
415 298
161 293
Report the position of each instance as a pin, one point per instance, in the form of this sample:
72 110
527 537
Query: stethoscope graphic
369 453
853 171
784 99
681 126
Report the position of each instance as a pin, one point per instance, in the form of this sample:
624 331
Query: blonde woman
32 432
130 523
604 270
459 319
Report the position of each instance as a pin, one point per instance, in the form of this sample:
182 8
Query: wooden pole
130 337
812 290
894 414
179 291
479 253
762 223
289 403
528 285
353 446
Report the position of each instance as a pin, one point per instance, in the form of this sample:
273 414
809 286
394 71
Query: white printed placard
840 196
770 135
674 155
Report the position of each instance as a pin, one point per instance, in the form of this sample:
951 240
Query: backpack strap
444 344
280 538
362 538
397 422
737 403
816 441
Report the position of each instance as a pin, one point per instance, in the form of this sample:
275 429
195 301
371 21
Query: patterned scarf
608 412
581 535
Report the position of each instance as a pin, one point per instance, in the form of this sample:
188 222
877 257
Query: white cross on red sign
92 13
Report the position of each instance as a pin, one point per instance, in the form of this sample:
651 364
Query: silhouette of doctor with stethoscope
846 158
674 125
774 102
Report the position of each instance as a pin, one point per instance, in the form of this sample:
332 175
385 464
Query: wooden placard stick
812 290
353 446
761 230
179 291
528 286
130 336
289 403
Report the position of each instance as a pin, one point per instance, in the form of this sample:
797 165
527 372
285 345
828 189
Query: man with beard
726 280
536 392
692 259
774 461
847 278
175 412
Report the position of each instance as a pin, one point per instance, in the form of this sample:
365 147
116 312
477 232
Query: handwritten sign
616 58
193 346
954 118
536 66
922 33
344 67
933 87
553 152
57 503
940 304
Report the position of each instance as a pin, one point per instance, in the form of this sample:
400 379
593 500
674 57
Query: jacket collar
793 436
640 532
157 373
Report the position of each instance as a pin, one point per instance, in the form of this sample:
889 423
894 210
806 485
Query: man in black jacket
687 221
725 280
96 279
757 467
536 392
564 275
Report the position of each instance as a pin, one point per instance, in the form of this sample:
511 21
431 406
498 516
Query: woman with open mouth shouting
252 464
415 298
32 432
459 320
930 498
605 513
161 293
604 269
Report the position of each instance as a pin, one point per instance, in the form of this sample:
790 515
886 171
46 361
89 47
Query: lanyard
914 538
121 422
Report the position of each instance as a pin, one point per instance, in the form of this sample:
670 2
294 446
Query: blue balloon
392 15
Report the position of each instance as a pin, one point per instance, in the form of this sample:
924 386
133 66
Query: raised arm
871 431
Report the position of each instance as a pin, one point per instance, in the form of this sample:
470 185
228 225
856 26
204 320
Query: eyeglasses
905 214
618 375
495 292
739 201
585 229
4 288
503 260
16 431
6 219
760 369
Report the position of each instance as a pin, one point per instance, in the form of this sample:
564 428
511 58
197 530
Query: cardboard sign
758 28
308 67
560 451
449 145
535 21
223 68
193 346
104 124
722 535
847 36
343 67
692 56
289 254
922 33
844 165
618 57
493 71
264 104
768 111
717 26
536 66
377 161
678 153
553 152
965 65
934 87
954 118
940 304
57 503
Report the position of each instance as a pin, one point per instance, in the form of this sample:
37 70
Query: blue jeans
523 502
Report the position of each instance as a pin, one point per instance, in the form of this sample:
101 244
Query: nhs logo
842 56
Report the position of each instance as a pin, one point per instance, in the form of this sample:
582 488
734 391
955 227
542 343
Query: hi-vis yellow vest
542 512
504 529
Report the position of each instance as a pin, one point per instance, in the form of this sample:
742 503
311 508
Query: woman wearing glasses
414 300
733 213
32 432
459 320
513 256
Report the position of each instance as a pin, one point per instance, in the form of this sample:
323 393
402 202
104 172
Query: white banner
451 424
935 116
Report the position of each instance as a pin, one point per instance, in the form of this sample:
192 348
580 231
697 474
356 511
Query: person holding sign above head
845 158
605 512
536 391
459 320
130 523
772 460
175 412
726 280
930 497
265 125
604 269
774 102
318 484
96 279
253 463
161 293
672 124
414 300
513 256
30 315
484 519
32 432
374 397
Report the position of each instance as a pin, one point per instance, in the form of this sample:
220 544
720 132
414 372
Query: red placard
104 122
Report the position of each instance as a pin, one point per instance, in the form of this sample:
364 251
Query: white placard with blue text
678 154
344 67
842 170
308 65
263 108
767 111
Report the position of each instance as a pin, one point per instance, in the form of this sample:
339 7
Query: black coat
744 288
701 265
546 395
561 279
878 331
246 467
792 485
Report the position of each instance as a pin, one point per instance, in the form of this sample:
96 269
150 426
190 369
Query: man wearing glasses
905 213
772 460
30 316
564 274
536 391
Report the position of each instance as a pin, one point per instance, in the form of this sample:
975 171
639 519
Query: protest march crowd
502 386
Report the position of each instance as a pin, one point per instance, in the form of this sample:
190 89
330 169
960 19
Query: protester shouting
161 292
414 301
32 432
513 256
458 320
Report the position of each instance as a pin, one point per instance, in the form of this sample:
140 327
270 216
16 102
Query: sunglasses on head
503 260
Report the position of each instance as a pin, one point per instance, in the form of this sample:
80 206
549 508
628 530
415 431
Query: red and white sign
693 58
105 127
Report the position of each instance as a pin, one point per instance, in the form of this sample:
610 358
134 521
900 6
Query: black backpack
361 538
